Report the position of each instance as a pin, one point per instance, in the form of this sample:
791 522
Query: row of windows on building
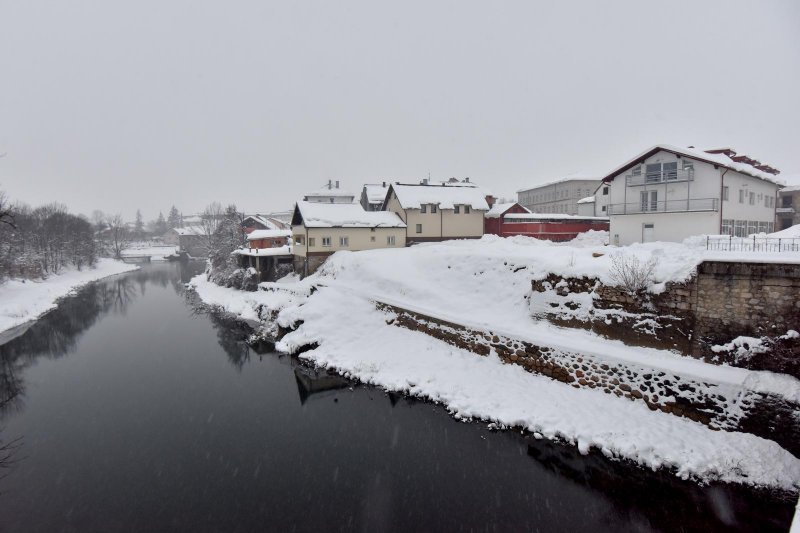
529 198
344 241
557 208
749 197
432 208
743 228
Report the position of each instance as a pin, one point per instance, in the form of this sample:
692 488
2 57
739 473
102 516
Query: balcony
783 210
662 176
668 206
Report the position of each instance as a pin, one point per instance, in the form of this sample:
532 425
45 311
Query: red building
507 220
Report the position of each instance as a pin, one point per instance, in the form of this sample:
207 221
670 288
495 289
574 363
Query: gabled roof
376 192
719 159
446 197
265 221
191 230
320 215
499 210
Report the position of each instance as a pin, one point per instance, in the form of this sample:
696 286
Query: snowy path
23 301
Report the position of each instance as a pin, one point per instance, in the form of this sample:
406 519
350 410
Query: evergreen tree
174 218
139 226
161 224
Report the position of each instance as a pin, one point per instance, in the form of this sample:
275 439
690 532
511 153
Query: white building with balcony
668 193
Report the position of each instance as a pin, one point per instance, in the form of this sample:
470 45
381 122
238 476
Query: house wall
601 200
788 212
552 231
441 225
560 197
676 226
359 239
586 209
267 243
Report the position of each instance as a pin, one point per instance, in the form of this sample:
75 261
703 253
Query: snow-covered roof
330 190
317 215
265 220
191 230
499 210
268 234
792 232
550 216
587 200
262 252
376 192
577 176
715 159
446 197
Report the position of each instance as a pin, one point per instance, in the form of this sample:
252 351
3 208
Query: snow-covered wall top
446 197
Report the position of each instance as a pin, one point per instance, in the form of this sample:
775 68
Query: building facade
560 196
787 213
438 212
668 194
320 230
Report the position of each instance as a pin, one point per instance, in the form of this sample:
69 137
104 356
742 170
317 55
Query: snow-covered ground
23 301
483 285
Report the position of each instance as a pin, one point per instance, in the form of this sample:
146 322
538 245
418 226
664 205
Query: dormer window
423 208
433 208
456 209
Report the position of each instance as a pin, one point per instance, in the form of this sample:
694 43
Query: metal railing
661 176
664 206
729 243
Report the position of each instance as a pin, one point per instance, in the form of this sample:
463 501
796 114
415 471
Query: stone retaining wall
719 406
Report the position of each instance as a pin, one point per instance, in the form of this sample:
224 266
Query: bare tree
118 237
6 213
633 275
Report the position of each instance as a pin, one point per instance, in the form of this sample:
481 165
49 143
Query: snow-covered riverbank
482 284
23 301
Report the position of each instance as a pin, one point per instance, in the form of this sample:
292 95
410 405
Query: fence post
707 241
754 242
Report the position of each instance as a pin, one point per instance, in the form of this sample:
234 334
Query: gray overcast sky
119 105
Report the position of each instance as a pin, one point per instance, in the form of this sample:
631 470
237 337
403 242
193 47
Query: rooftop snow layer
346 216
717 159
578 176
446 197
191 230
376 192
268 234
332 191
499 209
550 216
587 200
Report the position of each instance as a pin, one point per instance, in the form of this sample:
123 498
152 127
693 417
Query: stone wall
724 300
719 406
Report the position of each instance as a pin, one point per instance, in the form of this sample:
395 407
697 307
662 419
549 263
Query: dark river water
131 411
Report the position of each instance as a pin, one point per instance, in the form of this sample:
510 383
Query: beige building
319 230
438 212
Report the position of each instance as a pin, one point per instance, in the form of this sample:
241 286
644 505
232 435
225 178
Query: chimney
330 185
466 180
490 200
337 184
384 184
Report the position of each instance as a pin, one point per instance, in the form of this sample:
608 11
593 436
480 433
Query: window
372 238
433 208
605 191
658 172
770 227
390 240
637 171
688 165
344 241
752 227
466 210
725 190
652 173
752 198
312 242
326 241
740 228
762 227
423 208
727 226
299 239
649 200
456 209
419 228
741 197
786 201
670 171
603 209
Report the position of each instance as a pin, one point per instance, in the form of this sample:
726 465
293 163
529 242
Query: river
129 410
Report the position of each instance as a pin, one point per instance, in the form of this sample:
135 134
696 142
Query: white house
319 230
438 212
560 196
669 193
330 194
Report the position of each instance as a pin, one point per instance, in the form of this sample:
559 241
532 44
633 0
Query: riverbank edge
44 301
251 313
